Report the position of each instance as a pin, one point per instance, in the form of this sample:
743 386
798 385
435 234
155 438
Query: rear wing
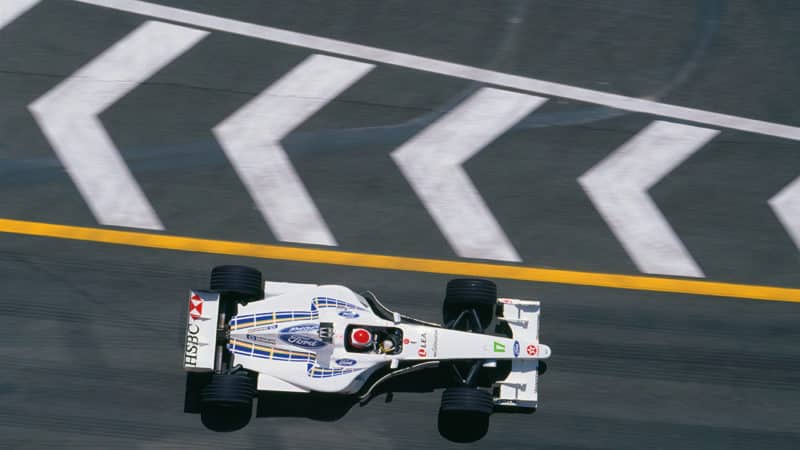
520 389
201 331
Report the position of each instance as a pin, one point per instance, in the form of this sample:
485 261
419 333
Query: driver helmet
387 345
360 338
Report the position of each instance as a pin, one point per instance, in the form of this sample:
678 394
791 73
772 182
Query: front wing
520 388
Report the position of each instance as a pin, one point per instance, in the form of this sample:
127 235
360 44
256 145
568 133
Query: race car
246 336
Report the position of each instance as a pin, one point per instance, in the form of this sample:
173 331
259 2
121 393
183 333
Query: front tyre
464 413
465 294
227 402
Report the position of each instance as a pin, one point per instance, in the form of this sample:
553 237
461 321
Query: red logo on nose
195 307
532 350
422 353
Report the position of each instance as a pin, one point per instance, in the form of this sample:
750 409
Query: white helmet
360 338
387 345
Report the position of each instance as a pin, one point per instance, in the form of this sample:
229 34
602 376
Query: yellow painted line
373 261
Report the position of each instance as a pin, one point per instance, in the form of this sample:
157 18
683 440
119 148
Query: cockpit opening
372 339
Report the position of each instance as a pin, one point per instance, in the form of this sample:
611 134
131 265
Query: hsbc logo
200 330
195 306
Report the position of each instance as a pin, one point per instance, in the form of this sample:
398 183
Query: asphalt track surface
92 333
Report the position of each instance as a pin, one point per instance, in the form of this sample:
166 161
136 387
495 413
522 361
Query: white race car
244 336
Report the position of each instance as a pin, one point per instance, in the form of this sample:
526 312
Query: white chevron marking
431 162
379 55
786 205
618 188
251 139
11 9
68 116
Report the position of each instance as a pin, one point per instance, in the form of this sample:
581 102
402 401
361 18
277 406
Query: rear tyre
464 414
227 402
239 283
464 294
195 382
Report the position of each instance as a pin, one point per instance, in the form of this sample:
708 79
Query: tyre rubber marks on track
68 116
251 140
431 162
618 188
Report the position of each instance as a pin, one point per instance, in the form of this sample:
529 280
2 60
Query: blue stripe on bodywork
322 372
277 354
328 302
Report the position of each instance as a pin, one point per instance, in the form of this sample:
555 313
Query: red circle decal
405 341
532 350
422 353
361 336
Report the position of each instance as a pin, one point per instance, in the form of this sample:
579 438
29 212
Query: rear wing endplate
201 331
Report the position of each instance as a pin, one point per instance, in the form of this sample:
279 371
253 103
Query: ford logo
348 314
302 341
346 362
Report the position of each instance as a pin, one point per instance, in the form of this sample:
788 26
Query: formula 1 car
244 336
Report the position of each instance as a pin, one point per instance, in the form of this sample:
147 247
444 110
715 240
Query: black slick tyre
464 413
227 402
464 294
239 283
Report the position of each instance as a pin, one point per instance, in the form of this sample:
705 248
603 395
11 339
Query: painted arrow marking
618 188
431 162
251 139
786 205
11 9
68 116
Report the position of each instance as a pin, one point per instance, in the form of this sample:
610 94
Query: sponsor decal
422 353
192 345
346 362
347 314
516 349
307 328
257 338
499 347
264 328
424 346
302 341
406 341
504 300
195 306
532 350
